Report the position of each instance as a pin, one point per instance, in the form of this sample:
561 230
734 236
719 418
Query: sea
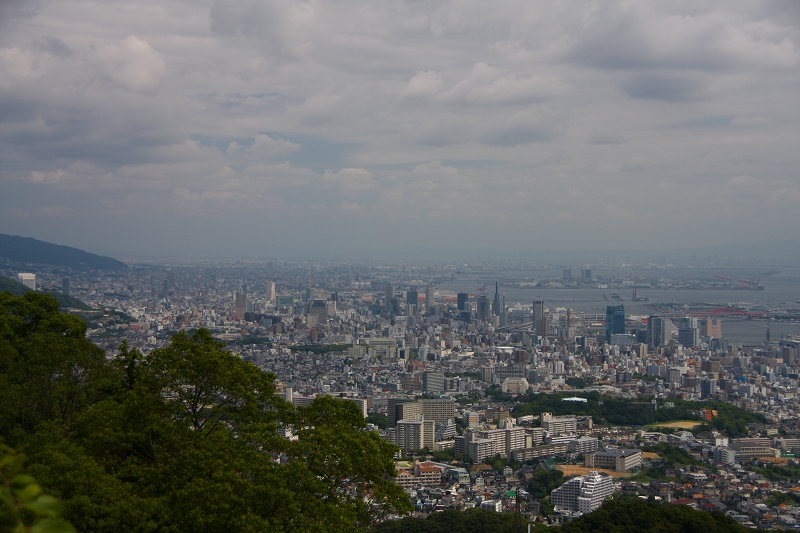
781 291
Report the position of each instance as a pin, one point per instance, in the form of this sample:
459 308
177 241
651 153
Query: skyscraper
241 305
615 321
461 300
659 331
412 300
688 332
496 301
429 298
483 308
541 324
271 294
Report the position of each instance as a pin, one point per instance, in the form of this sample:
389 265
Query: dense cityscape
452 378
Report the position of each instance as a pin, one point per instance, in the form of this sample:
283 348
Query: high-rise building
241 305
566 275
541 324
583 493
615 321
430 298
483 308
496 310
711 327
688 332
170 279
28 279
461 300
412 300
65 286
389 291
271 295
659 330
319 308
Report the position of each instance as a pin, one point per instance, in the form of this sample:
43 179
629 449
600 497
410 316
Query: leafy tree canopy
188 438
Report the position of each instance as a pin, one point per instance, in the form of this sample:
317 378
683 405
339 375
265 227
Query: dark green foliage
779 472
580 383
543 482
18 289
672 455
185 439
623 412
777 498
633 515
453 521
379 419
28 250
23 506
320 348
497 394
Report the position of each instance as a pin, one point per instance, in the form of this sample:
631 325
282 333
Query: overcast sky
272 128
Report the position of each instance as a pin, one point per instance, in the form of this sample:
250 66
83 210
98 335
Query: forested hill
28 250
625 514
18 289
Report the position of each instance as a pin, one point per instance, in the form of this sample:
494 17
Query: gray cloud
128 127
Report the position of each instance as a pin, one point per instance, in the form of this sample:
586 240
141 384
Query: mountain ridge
30 250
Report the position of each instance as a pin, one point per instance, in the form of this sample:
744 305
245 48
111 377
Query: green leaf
44 506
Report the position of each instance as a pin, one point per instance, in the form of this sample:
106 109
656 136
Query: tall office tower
483 308
496 301
170 279
389 291
430 298
461 300
659 330
65 286
566 274
165 289
711 327
412 299
541 325
241 305
394 306
319 308
688 333
615 321
271 295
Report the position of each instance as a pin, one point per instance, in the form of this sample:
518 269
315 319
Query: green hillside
18 289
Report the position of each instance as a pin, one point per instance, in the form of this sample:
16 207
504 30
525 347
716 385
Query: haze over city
320 129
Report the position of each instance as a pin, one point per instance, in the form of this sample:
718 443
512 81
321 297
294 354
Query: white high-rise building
271 295
583 493
27 279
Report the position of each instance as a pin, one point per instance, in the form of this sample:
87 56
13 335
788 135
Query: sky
299 129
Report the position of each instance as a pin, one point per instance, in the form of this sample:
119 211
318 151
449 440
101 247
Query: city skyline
278 129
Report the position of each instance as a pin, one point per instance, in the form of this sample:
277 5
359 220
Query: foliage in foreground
453 521
188 438
634 515
23 507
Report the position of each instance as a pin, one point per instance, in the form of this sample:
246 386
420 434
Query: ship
638 297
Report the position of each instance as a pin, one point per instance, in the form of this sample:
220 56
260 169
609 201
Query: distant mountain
18 289
28 250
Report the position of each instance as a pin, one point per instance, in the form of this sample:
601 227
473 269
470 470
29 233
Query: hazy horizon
272 128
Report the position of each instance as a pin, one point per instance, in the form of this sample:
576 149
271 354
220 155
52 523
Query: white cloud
133 63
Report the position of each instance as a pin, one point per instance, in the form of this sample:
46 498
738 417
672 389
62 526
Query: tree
23 506
188 438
